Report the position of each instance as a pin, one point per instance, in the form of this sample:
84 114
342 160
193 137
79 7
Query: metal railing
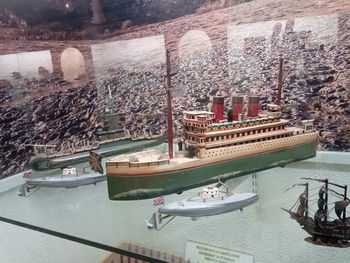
145 164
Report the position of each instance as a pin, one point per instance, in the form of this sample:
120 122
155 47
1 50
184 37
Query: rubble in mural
317 86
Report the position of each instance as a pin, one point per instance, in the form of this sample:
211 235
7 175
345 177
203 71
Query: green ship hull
135 187
105 149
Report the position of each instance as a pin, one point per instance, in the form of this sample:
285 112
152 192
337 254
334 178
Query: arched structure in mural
192 41
72 64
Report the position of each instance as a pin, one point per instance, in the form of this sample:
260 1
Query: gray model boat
69 179
208 203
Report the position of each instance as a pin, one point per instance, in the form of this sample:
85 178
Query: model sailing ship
110 140
212 148
323 229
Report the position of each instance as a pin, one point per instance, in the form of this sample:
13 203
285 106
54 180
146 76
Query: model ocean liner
323 229
213 148
110 140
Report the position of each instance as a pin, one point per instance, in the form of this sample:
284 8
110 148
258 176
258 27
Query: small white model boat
210 202
69 179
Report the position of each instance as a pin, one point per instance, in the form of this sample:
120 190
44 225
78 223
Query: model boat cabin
207 131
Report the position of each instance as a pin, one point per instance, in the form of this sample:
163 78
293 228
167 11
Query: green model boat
110 140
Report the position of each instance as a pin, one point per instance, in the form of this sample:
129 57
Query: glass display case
174 131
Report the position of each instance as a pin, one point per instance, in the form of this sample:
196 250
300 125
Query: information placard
197 252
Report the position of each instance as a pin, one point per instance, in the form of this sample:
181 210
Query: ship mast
345 197
326 200
170 110
307 199
280 82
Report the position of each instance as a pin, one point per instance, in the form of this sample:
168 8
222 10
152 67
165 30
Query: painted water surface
262 229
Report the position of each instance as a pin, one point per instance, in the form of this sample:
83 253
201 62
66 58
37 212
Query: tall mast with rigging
326 200
169 104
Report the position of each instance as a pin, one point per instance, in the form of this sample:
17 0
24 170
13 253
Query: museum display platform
242 93
262 230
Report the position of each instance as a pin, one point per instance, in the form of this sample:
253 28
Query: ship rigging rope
315 188
313 194
331 191
296 202
313 202
333 194
328 214
330 210
308 200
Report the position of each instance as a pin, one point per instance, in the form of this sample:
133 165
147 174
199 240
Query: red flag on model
158 201
27 175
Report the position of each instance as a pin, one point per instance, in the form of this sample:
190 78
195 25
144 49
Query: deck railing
135 164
